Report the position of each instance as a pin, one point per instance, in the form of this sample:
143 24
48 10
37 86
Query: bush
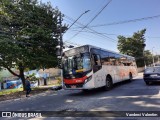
33 78
1 80
59 80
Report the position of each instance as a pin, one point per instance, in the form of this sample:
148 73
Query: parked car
151 74
157 64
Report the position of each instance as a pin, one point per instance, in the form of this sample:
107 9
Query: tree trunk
23 83
45 81
21 69
21 75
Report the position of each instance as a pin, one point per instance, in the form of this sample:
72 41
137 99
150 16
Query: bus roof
91 46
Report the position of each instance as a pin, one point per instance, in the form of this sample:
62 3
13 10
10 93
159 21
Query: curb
58 87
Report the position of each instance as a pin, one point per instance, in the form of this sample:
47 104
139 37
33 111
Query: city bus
88 67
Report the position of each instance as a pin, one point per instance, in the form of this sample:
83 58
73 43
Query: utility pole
157 57
60 46
60 42
59 52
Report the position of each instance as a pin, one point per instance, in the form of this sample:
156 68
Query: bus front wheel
85 90
130 77
109 84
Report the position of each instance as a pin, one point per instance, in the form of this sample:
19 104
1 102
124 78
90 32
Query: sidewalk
16 95
140 74
43 86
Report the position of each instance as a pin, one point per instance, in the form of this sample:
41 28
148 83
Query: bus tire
85 90
130 77
109 84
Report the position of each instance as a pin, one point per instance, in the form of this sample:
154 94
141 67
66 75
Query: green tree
29 34
148 57
133 46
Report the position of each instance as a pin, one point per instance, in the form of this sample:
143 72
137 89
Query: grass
9 94
10 91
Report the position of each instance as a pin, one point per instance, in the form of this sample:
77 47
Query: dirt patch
22 94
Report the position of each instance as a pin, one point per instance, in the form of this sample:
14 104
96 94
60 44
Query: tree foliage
29 34
133 46
148 57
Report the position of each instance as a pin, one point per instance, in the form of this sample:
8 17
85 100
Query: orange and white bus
87 67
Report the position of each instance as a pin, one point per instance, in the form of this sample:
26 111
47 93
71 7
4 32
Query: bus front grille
74 85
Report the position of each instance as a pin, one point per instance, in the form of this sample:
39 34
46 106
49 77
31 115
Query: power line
71 19
78 19
127 21
98 14
88 38
153 37
89 29
150 37
92 12
92 19
114 23
99 34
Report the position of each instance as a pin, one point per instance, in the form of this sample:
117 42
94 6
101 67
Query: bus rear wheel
109 84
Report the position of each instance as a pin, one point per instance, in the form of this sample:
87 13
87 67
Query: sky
105 36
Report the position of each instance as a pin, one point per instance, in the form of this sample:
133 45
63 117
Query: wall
140 69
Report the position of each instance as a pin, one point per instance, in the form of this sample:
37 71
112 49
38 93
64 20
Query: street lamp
153 57
78 19
71 46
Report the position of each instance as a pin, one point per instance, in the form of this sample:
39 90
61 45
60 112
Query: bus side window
96 62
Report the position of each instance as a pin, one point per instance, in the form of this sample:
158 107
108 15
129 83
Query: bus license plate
73 86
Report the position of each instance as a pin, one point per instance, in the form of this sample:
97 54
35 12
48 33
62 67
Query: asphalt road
125 96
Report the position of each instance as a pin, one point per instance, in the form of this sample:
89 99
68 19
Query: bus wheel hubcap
108 83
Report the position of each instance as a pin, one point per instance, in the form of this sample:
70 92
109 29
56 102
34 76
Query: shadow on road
121 87
155 84
96 91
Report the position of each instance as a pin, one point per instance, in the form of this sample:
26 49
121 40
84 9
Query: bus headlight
88 79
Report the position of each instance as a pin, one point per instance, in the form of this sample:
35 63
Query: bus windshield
77 64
